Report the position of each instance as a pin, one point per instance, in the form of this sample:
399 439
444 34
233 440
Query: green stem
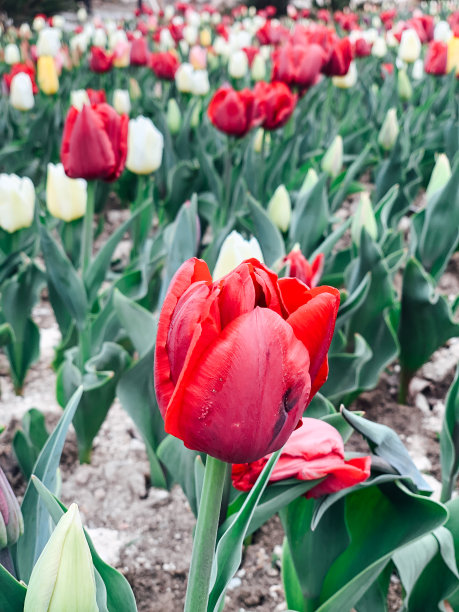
139 232
86 245
405 379
197 593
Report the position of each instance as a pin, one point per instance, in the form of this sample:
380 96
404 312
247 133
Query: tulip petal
191 271
345 475
245 395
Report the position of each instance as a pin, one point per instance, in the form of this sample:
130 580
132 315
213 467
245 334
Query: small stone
99 494
234 583
421 402
169 567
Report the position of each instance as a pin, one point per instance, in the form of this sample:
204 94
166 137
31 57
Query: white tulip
348 80
66 198
184 77
280 208
38 23
49 42
410 46
122 101
234 250
82 14
200 83
21 92
190 34
78 98
117 37
258 69
99 38
238 65
389 131
25 31
442 31
379 48
12 54
165 40
59 22
17 202
145 146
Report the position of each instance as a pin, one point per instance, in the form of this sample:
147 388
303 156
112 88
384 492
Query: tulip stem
197 593
86 247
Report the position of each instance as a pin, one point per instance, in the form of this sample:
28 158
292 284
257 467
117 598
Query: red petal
192 271
246 393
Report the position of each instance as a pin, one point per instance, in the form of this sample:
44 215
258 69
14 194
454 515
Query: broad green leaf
12 592
449 440
27 443
310 217
352 172
292 588
426 320
36 523
385 443
64 278
267 234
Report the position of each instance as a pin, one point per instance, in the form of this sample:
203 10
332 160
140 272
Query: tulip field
229 308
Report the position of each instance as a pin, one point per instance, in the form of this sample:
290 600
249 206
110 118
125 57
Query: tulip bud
165 40
280 208
190 34
134 89
196 115
82 14
39 23
388 133
379 48
184 77
410 46
453 55
12 55
17 202
63 576
364 218
173 117
440 175
205 37
78 98
348 80
145 146
47 75
11 522
332 161
405 91
238 65
66 198
310 180
121 101
234 250
25 31
258 69
21 92
258 140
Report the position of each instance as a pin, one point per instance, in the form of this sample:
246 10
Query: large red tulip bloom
234 112
94 143
340 59
298 64
313 451
276 103
164 64
238 360
436 59
100 60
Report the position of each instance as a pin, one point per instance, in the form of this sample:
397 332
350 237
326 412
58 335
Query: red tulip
313 451
300 268
324 15
298 64
234 112
436 59
362 47
100 60
139 52
276 103
164 64
340 59
238 360
28 68
94 143
96 96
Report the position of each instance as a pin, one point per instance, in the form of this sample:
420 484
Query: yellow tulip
453 55
47 75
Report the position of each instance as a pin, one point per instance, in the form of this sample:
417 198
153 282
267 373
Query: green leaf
385 443
426 320
36 523
267 234
389 509
64 278
354 301
449 440
12 592
27 444
290 581
6 334
310 217
228 554
96 272
354 169
116 592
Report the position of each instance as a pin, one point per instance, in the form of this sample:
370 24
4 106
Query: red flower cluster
237 112
239 359
94 142
313 451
